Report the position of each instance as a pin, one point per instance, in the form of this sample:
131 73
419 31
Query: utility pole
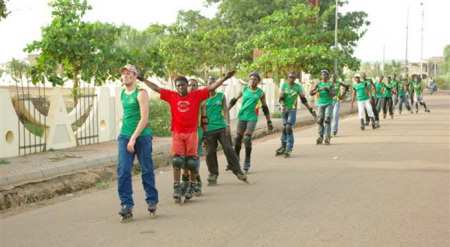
336 38
406 45
421 39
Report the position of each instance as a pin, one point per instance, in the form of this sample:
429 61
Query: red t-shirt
184 109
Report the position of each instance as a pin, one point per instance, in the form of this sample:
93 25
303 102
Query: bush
159 117
443 81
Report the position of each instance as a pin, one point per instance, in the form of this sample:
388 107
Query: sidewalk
48 165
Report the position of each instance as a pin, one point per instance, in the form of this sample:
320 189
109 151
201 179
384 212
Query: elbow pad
304 100
266 110
233 102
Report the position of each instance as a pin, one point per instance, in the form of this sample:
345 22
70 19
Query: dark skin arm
264 103
219 82
150 84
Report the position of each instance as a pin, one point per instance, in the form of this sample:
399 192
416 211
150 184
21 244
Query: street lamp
335 37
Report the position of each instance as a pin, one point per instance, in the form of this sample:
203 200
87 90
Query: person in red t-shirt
184 108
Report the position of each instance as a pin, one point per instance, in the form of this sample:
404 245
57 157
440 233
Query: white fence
59 131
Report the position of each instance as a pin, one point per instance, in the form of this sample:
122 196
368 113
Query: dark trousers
212 140
388 105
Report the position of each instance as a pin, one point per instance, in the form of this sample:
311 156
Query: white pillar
9 136
60 134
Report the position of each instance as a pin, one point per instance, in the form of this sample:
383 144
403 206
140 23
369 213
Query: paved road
389 187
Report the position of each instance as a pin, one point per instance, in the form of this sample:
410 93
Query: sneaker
334 133
327 140
242 177
287 153
280 151
319 140
246 166
212 179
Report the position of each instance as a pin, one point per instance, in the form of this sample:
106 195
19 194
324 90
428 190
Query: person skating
290 92
184 107
217 130
248 116
325 91
337 103
389 89
135 139
361 94
378 98
418 93
403 96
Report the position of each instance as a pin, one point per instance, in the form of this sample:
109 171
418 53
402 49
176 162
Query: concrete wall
59 133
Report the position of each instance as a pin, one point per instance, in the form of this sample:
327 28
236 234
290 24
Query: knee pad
248 141
327 120
289 129
238 139
191 163
178 162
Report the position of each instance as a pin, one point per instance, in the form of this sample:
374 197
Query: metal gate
32 108
86 126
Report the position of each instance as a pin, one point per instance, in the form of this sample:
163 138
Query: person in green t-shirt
379 96
337 103
361 94
248 116
418 93
325 93
403 96
370 85
135 139
290 92
396 83
217 129
389 89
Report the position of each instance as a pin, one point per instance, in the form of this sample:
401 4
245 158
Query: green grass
4 162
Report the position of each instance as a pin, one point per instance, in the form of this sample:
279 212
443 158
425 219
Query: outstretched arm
234 100
150 84
306 104
218 83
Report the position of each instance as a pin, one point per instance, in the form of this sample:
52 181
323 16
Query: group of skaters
200 118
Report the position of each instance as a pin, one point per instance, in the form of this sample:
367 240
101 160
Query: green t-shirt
401 89
337 90
250 99
214 112
361 92
368 85
291 94
418 88
388 89
131 114
324 94
379 89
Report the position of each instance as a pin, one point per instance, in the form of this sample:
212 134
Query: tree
73 49
264 21
142 49
300 39
3 10
393 68
18 69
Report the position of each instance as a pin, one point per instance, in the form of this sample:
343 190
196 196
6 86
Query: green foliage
3 10
18 69
73 49
141 48
159 117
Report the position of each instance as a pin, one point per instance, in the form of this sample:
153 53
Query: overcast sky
387 17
